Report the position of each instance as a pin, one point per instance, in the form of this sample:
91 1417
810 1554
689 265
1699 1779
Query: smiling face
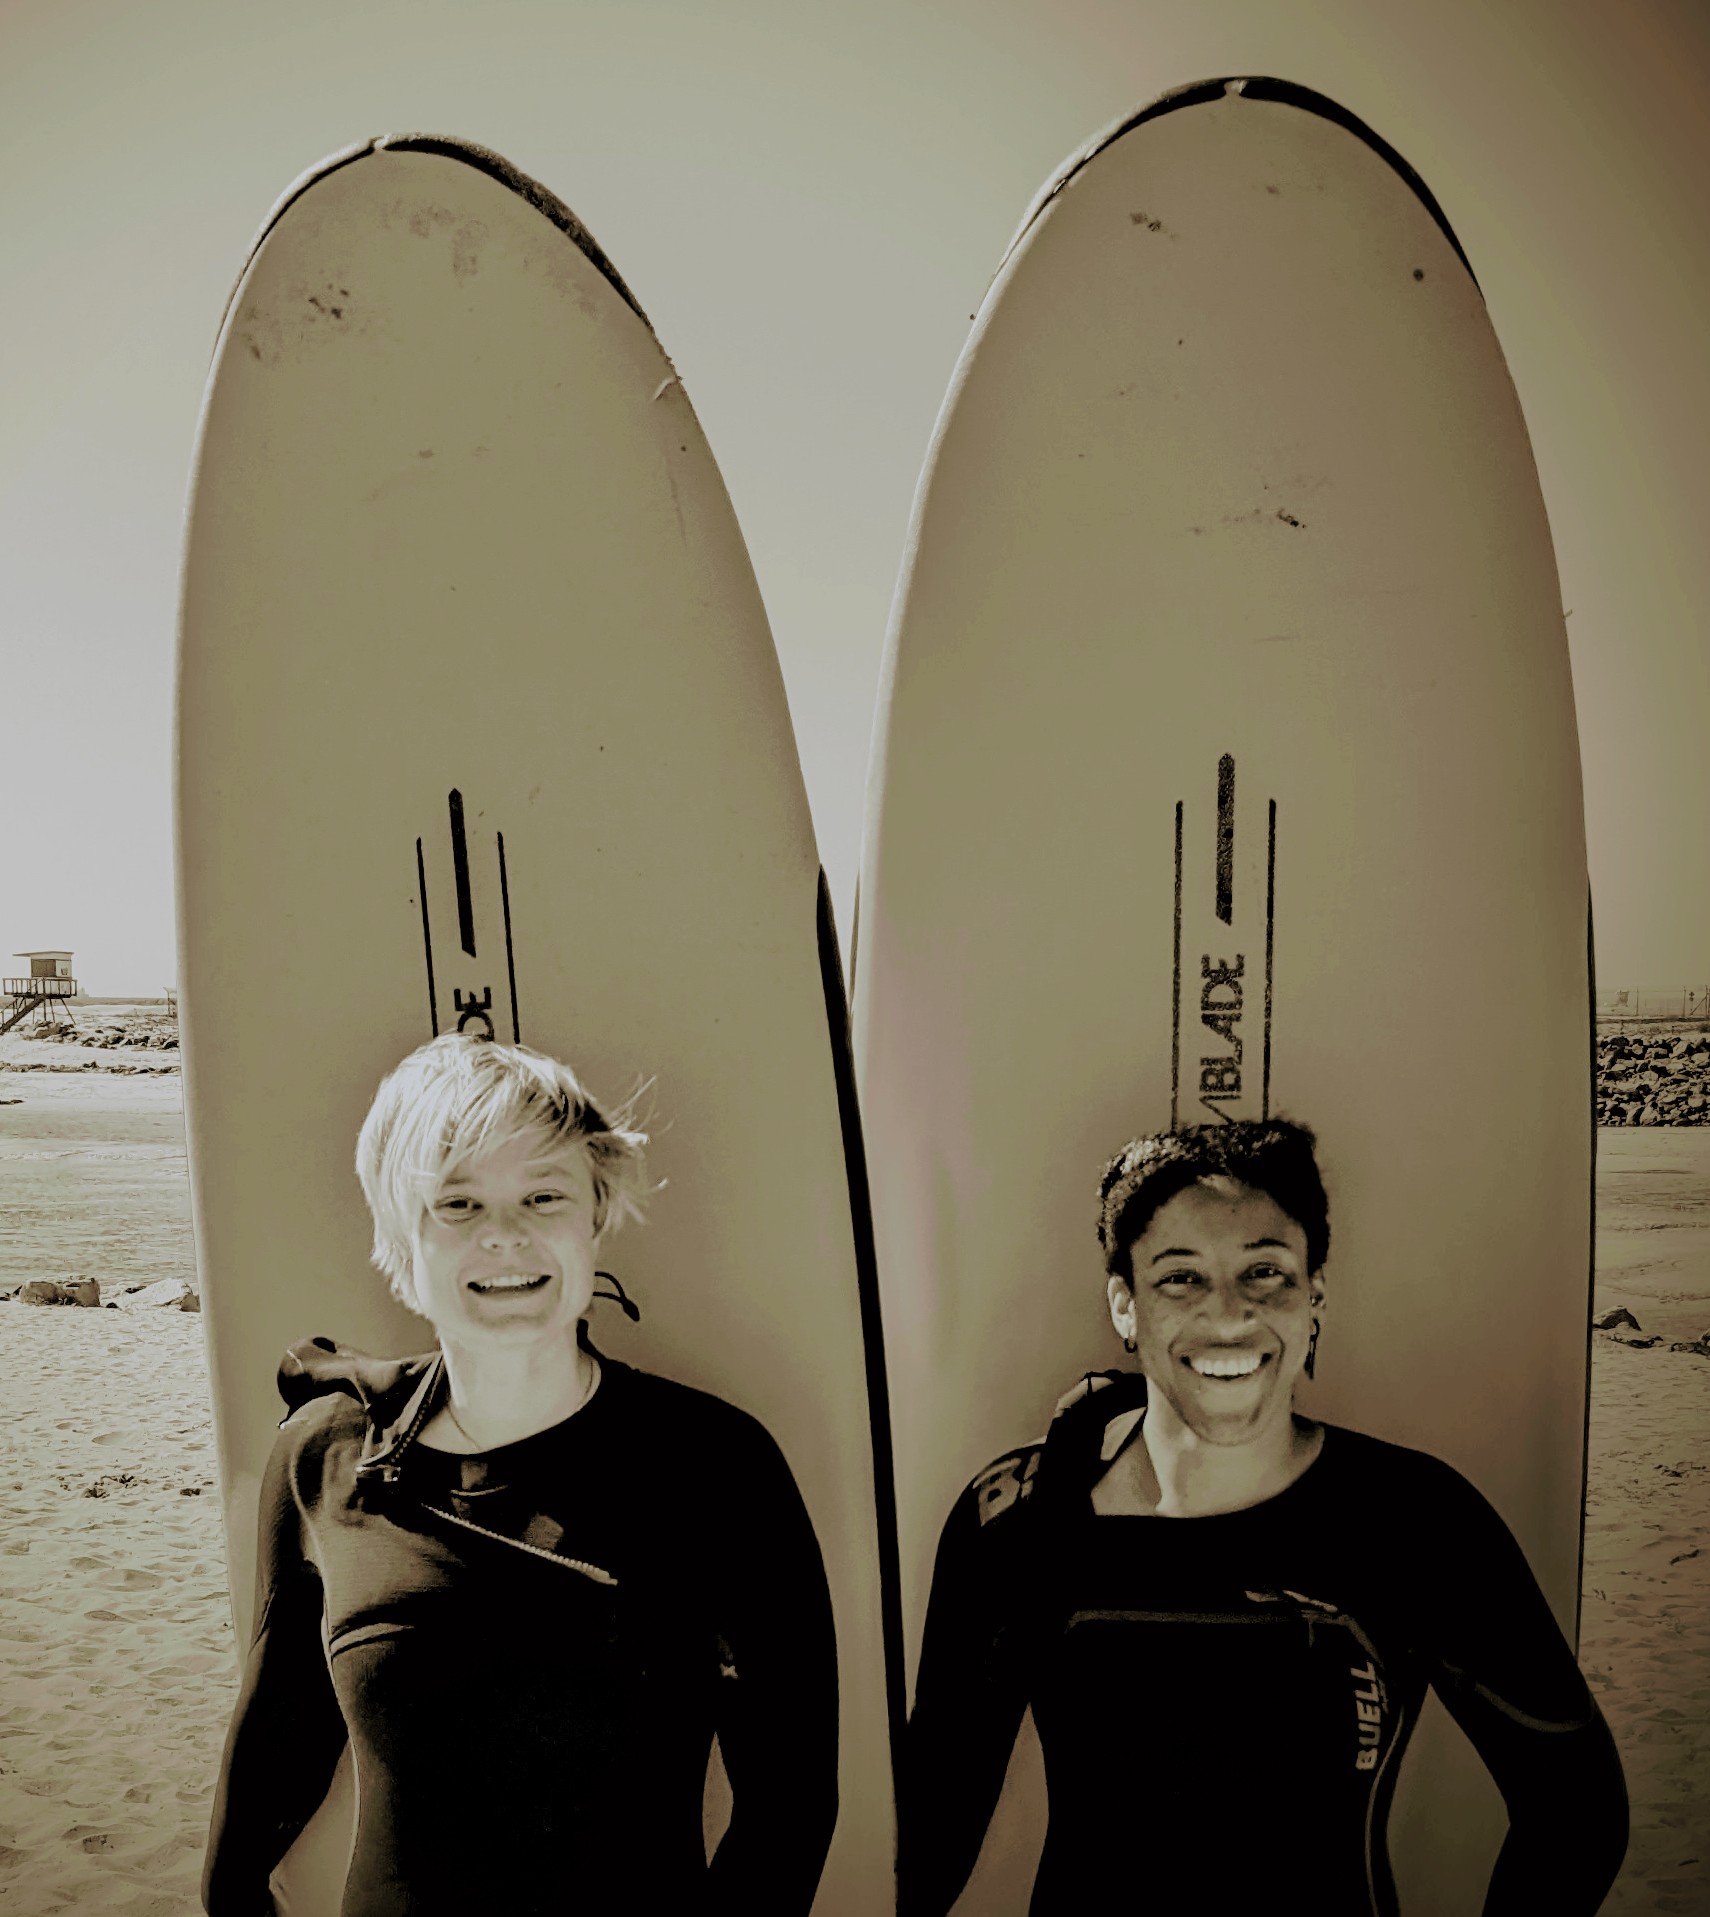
507 1245
1221 1308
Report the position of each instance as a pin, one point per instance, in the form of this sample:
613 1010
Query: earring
1128 1344
1311 1350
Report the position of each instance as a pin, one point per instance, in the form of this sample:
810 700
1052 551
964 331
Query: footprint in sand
108 1437
196 1663
89 1564
104 1617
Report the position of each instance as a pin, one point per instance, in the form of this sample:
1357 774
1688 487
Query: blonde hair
457 1096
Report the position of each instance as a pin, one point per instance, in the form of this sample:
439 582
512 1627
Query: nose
504 1225
1228 1307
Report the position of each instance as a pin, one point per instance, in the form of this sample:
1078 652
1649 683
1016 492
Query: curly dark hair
1273 1155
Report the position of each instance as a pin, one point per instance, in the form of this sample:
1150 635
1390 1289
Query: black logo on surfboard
1222 972
468 903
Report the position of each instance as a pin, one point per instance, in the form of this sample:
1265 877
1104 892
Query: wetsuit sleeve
777 1697
1504 1670
286 1732
969 1697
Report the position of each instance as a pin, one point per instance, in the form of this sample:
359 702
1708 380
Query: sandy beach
116 1665
117 1669
1645 1626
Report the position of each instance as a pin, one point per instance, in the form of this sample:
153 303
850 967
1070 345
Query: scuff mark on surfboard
676 503
329 308
466 244
1260 516
423 219
1150 224
496 167
665 385
259 331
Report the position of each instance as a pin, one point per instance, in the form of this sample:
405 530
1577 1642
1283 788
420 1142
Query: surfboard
1226 765
480 728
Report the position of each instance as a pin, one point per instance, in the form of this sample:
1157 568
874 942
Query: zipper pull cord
619 1297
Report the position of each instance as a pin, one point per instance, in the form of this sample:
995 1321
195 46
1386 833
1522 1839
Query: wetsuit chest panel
526 1680
1242 1713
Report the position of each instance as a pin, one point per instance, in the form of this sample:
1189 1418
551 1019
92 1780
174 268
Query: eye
1268 1277
1177 1284
546 1200
454 1205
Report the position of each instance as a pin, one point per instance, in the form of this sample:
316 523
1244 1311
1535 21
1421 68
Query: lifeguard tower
49 985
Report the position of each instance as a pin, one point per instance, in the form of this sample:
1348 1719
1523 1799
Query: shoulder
315 1436
1422 1496
1004 1487
682 1416
1379 1462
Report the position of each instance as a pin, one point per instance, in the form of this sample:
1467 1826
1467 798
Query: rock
1701 1349
42 1291
1619 1316
189 1302
81 1291
168 1294
1638 1344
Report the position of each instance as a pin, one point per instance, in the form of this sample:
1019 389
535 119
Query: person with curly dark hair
1224 1615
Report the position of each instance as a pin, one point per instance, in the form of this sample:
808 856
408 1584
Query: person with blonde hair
1225 1615
528 1584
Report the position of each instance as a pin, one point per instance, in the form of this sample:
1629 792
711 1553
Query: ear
1119 1294
1315 1288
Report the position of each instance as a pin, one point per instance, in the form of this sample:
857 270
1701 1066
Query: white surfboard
481 728
1227 765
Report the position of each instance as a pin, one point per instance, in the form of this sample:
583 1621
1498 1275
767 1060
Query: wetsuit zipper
587 1570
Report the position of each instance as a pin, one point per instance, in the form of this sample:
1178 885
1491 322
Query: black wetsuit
531 1713
1222 1702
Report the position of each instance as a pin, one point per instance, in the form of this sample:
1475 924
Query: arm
970 1695
286 1732
1507 1676
777 1717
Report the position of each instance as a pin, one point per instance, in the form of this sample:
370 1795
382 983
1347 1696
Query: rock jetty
1653 1078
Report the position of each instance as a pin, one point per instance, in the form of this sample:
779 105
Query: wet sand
117 1669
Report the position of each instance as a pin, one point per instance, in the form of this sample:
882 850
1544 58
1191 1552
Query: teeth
1234 1364
512 1281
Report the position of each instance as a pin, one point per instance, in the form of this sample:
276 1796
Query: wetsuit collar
1070 1461
390 1434
397 1395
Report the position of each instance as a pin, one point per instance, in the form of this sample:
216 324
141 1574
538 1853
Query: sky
808 198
